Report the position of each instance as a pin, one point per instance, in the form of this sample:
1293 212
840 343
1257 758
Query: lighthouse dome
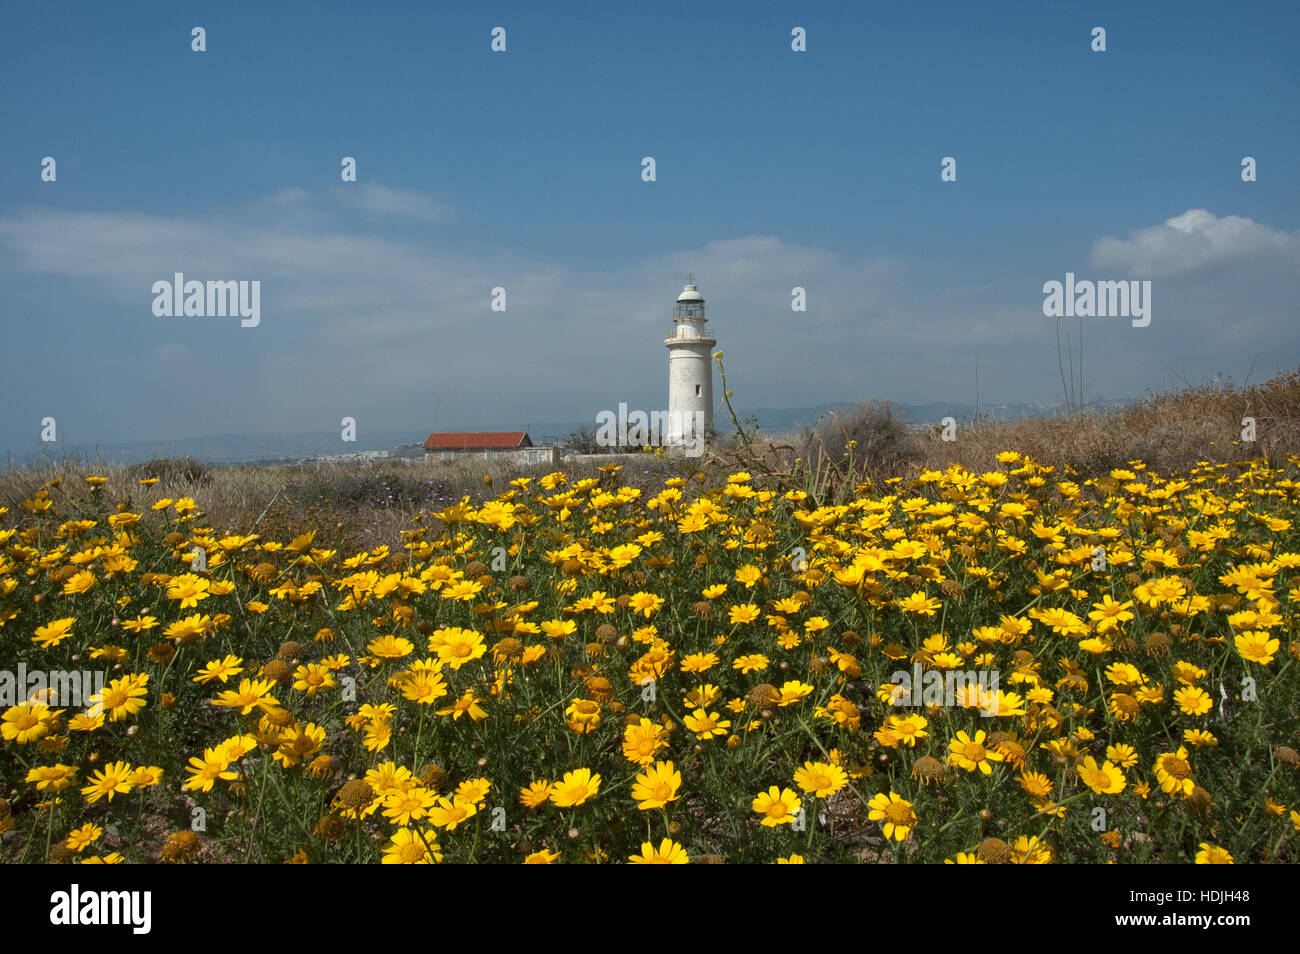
690 293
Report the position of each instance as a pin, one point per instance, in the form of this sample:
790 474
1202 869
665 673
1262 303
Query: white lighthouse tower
690 370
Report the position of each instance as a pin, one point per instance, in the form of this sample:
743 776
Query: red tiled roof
477 440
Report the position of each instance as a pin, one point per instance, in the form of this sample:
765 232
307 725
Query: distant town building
690 370
506 446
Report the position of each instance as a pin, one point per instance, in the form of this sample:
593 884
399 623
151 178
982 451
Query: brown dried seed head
179 846
993 851
280 718
331 827
600 688
509 648
1126 644
763 696
278 671
928 769
1200 800
290 651
355 794
1157 644
432 776
161 653
61 854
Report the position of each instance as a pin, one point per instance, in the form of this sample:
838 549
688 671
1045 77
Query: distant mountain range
289 448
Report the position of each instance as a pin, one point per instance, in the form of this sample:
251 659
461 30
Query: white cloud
1196 241
381 326
382 200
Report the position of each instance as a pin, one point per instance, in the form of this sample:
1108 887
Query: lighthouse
690 370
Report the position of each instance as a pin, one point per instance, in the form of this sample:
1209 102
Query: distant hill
287 448
233 448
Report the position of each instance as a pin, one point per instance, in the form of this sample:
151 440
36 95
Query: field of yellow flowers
579 670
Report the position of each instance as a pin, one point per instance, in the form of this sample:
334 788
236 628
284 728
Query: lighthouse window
697 390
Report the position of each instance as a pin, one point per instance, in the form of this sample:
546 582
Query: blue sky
522 170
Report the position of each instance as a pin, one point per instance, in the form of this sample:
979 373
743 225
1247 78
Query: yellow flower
641 741
457 647
777 806
408 847
582 715
250 695
401 807
657 786
312 678
52 778
1104 780
389 646
575 788
699 662
970 754
55 632
122 698
559 628
83 836
792 692
112 779
1213 855
821 779
647 604
896 812
706 725
1256 646
1193 700
221 669
744 613
26 722
79 583
668 853
1174 772
754 662
537 793
450 813
1122 755
467 704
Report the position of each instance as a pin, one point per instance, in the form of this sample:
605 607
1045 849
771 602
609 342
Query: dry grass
1170 432
354 505
357 505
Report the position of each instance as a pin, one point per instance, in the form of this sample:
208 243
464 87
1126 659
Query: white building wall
690 390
